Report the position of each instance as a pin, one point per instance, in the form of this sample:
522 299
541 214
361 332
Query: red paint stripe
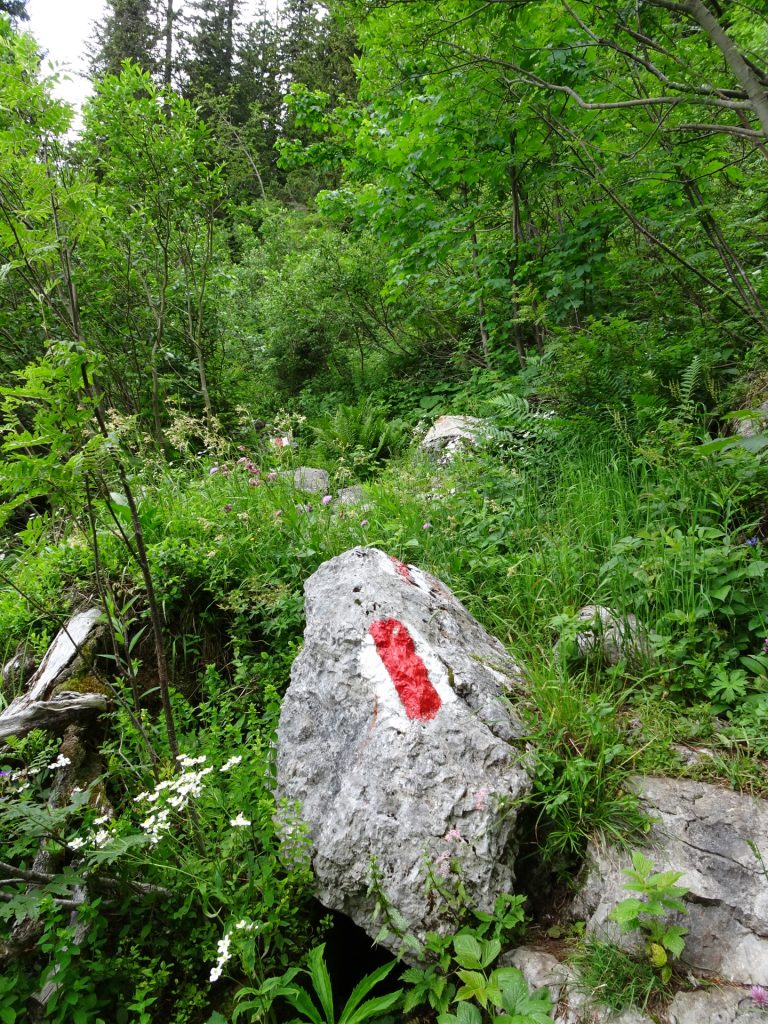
402 569
397 650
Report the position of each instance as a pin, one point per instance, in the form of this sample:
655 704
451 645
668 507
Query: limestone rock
611 635
715 1006
354 495
710 834
397 745
305 478
449 434
753 422
572 1004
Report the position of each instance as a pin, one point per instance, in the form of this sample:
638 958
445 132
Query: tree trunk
168 33
742 72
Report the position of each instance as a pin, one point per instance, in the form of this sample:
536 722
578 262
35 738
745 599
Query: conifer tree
129 31
209 66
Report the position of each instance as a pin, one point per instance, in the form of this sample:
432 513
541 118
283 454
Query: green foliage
356 439
357 1010
648 915
461 979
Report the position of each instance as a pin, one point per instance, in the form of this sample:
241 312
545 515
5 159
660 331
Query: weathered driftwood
54 714
38 707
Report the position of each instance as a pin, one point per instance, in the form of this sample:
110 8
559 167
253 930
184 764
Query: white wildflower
231 763
77 843
222 948
240 821
60 762
100 838
189 762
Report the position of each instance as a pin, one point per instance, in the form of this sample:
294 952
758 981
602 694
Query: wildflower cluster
224 948
173 795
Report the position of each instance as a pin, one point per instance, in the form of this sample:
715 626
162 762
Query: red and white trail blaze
395 647
409 681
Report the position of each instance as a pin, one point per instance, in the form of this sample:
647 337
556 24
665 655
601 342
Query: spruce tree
129 31
210 48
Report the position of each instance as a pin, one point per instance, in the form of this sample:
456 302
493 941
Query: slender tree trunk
168 34
484 340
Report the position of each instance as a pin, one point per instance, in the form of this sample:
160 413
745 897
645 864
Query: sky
63 28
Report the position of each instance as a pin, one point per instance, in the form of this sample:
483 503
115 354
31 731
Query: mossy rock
87 682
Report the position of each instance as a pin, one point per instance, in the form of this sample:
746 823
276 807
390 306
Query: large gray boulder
714 837
397 743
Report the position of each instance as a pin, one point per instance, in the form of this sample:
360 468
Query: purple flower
427 526
753 542
765 646
759 996
326 499
277 513
363 522
254 481
212 470
272 475
227 508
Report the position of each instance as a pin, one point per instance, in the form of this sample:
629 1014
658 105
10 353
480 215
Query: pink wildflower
759 996
326 499
427 526
272 475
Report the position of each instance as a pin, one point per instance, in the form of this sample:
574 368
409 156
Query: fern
365 429
684 390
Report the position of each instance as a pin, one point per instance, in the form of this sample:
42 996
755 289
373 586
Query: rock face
711 835
396 743
611 636
449 434
715 1006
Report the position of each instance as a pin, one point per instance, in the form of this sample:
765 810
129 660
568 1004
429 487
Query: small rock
17 671
449 434
312 481
610 635
354 495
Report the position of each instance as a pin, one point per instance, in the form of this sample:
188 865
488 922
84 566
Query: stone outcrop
397 745
716 838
